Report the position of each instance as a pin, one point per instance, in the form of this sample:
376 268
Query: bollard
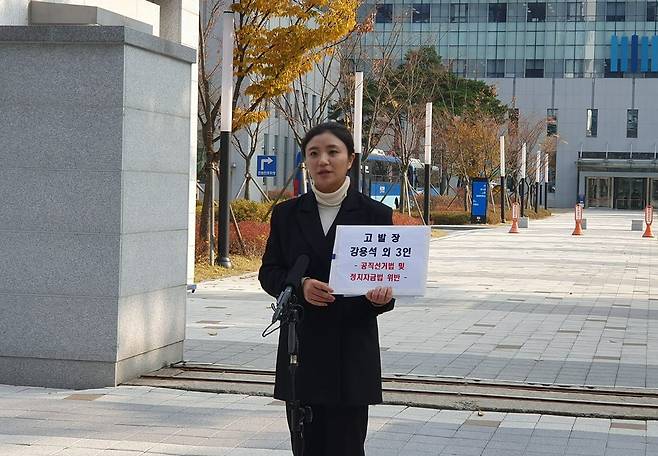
578 231
515 219
648 219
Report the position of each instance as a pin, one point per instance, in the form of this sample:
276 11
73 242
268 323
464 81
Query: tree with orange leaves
276 41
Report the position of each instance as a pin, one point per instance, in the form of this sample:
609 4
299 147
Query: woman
339 371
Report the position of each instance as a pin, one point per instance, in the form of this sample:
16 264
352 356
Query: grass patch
241 265
438 233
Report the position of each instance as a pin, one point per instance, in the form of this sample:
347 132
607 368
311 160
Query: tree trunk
443 185
205 208
247 184
403 190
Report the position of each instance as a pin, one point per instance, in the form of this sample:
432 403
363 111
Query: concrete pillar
94 179
179 22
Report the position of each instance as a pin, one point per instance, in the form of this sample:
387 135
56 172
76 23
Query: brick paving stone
552 309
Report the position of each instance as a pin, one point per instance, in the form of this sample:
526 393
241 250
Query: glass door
654 192
630 193
599 192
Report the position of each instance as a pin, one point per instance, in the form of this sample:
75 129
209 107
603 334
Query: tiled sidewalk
132 421
541 306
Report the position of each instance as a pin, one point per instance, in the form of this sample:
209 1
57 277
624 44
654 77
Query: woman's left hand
380 295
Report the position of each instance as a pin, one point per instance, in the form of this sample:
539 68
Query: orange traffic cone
515 218
648 219
578 231
648 232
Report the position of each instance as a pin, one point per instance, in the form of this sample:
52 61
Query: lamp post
225 137
522 182
537 178
355 171
546 181
428 159
502 179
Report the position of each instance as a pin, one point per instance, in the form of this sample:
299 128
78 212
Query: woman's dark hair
336 129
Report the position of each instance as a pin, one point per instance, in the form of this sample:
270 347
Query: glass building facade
557 39
583 66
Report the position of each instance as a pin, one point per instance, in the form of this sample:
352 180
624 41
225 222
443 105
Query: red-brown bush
254 234
404 219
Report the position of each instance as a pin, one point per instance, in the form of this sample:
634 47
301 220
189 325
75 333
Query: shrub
246 210
436 202
254 235
274 194
404 219
540 214
451 218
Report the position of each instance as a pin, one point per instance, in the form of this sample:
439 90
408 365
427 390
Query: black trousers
334 431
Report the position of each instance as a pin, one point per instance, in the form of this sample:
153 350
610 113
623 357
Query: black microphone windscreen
298 270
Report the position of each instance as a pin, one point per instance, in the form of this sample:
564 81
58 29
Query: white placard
367 257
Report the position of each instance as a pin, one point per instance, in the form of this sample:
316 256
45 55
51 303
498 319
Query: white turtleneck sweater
329 203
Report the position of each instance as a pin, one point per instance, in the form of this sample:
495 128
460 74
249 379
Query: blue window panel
644 66
634 53
654 53
614 57
624 54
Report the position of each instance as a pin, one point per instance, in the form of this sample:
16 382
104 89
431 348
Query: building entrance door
630 193
599 192
654 192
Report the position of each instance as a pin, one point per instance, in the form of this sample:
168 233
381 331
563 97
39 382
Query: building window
497 12
607 73
551 122
575 11
534 68
631 123
496 68
458 66
458 12
574 68
615 11
421 13
652 11
536 12
592 123
384 13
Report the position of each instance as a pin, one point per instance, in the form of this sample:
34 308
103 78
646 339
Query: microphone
292 281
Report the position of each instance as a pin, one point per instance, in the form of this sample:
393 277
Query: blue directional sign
479 188
266 165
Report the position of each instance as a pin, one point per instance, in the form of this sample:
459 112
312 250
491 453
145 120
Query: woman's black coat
339 360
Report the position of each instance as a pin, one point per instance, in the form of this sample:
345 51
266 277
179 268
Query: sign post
578 231
479 191
428 161
503 191
648 219
266 165
523 173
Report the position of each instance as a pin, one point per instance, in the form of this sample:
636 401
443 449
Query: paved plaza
133 421
541 306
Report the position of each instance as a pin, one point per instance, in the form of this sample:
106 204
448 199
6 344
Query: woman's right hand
317 293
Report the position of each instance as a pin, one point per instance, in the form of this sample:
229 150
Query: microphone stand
290 315
299 414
